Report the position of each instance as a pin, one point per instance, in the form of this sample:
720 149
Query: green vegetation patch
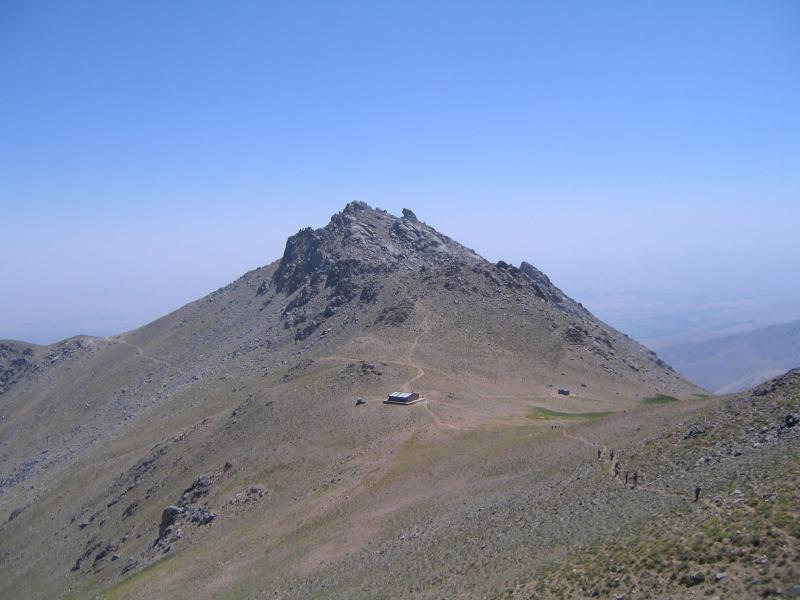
659 399
414 453
537 412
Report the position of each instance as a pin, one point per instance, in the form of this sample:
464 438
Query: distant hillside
737 362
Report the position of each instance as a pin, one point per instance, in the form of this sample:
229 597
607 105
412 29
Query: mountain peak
362 239
355 207
345 262
409 214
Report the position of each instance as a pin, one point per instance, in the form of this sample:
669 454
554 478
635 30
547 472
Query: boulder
257 490
109 548
168 517
203 516
694 431
693 579
14 514
575 334
129 510
199 488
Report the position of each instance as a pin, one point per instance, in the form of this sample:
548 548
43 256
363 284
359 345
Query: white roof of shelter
400 394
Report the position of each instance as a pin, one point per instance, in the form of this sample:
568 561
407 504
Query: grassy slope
742 539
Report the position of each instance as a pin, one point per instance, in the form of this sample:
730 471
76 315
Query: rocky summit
240 446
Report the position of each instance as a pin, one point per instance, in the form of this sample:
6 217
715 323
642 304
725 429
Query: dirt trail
144 354
640 487
424 329
408 384
436 419
409 362
581 439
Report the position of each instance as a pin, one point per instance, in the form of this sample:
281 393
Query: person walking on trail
599 453
626 477
611 455
616 469
635 478
697 491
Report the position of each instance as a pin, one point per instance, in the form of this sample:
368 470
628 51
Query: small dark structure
563 391
403 398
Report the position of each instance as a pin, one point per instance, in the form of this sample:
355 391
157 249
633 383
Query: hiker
616 470
611 455
635 478
599 453
697 493
626 477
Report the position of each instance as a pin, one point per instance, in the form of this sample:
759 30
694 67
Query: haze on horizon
643 156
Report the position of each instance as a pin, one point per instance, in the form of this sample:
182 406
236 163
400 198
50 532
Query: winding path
409 362
645 488
410 356
144 354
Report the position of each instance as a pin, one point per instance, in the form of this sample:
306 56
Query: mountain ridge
740 361
263 375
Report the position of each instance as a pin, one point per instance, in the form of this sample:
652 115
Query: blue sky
151 152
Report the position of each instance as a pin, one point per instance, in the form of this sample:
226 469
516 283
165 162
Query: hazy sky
645 155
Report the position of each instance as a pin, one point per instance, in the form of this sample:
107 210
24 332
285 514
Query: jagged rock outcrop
545 289
329 271
21 359
16 359
360 241
324 269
